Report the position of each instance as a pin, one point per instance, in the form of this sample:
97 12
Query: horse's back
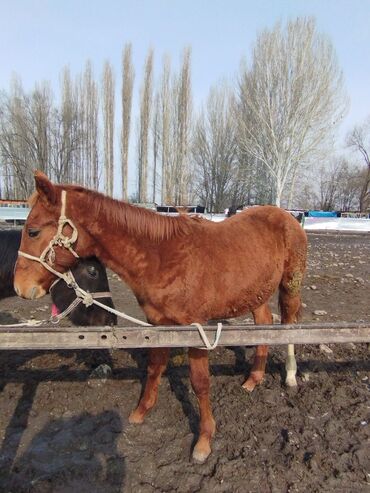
286 232
239 262
258 226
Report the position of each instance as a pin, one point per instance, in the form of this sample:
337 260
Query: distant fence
356 215
14 215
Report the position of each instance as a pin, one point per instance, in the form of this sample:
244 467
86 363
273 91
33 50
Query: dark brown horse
181 269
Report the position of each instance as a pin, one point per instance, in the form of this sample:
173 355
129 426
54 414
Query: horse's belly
237 304
209 296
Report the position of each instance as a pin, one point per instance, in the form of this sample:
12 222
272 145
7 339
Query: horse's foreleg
200 381
262 315
158 359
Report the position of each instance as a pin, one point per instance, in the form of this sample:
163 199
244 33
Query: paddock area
64 414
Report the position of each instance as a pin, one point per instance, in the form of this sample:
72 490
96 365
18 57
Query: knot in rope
87 298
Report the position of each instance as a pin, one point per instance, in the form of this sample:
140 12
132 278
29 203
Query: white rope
203 335
90 298
65 276
122 314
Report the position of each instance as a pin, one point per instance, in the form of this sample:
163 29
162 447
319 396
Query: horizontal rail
52 337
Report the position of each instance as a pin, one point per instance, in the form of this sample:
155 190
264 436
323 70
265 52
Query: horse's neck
128 255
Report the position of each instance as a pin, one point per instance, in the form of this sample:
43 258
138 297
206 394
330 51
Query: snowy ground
321 223
337 224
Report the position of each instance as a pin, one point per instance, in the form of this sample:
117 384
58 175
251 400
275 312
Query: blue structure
322 214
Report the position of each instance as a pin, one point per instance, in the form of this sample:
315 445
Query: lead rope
47 257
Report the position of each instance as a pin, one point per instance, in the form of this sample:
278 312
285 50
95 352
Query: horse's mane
137 220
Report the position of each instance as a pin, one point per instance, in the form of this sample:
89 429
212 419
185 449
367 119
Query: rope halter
47 257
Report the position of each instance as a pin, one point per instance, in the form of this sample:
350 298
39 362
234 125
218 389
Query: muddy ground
63 432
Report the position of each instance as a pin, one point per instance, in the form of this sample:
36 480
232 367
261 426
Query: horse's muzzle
29 292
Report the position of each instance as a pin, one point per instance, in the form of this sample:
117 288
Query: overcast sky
39 37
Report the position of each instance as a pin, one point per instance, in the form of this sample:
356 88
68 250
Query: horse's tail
290 302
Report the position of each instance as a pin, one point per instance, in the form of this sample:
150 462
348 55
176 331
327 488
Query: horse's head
90 275
49 241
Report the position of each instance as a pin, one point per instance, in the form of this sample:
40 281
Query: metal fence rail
52 337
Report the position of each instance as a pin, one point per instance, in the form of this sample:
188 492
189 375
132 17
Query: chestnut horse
181 269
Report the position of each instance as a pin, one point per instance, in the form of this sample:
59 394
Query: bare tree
108 114
89 118
165 132
184 106
339 185
156 144
350 189
66 134
290 98
34 132
24 138
145 115
359 140
127 86
330 177
215 152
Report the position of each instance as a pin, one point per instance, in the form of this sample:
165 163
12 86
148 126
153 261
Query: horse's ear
44 187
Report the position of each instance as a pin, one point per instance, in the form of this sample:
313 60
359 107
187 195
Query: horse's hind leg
290 305
158 359
262 315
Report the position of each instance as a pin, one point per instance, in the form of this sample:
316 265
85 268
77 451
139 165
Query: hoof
136 418
202 448
200 456
291 381
250 384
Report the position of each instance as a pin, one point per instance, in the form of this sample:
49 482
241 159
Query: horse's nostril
33 293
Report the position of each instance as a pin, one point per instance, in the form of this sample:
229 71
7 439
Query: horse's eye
92 271
33 232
